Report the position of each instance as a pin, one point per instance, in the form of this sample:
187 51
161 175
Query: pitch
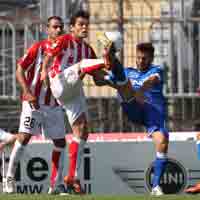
94 197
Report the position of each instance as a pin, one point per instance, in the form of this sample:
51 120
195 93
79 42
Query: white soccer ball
116 38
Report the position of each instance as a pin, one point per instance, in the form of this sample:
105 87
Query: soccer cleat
58 190
193 189
10 185
103 39
73 186
156 191
113 38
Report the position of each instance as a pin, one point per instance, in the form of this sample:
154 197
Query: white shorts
47 120
66 85
76 107
67 88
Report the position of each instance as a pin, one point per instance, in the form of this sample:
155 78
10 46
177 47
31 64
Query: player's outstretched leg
119 77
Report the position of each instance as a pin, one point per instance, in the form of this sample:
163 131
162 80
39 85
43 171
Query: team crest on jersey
136 82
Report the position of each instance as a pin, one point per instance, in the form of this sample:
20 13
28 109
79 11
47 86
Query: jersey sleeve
55 48
29 57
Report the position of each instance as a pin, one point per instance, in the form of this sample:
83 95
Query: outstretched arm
149 83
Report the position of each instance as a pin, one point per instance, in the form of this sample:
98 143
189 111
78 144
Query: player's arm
20 75
150 82
45 65
27 95
51 52
22 65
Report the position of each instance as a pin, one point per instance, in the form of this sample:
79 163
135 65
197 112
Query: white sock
15 156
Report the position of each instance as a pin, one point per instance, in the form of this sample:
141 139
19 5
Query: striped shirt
31 63
67 51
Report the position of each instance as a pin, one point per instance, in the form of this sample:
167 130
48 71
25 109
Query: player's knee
161 142
83 130
80 127
61 143
23 138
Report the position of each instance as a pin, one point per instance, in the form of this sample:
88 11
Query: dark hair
56 18
146 47
79 13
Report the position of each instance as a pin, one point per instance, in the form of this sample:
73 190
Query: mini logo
173 180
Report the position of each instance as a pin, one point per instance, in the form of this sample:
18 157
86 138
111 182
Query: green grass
94 197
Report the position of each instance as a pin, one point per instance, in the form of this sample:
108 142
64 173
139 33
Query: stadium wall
114 164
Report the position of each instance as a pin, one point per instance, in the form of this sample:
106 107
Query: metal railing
172 26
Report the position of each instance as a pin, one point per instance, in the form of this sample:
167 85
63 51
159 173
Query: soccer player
66 63
40 111
195 189
146 79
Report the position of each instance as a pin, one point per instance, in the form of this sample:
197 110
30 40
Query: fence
172 26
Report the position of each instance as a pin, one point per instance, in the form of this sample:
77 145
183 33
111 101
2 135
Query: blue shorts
152 117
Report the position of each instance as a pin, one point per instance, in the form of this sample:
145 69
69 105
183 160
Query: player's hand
43 75
27 96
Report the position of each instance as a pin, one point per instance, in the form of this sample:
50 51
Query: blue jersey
152 113
137 78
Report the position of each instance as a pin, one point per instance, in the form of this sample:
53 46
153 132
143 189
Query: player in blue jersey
145 79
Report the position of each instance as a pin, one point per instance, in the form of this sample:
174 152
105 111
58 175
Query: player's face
80 28
143 60
54 29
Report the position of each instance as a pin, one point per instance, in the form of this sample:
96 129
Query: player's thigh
134 111
66 85
30 120
154 119
76 112
54 126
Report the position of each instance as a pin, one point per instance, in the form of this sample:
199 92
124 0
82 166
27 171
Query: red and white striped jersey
31 62
68 51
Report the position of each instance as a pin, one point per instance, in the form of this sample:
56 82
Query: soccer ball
116 38
108 38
